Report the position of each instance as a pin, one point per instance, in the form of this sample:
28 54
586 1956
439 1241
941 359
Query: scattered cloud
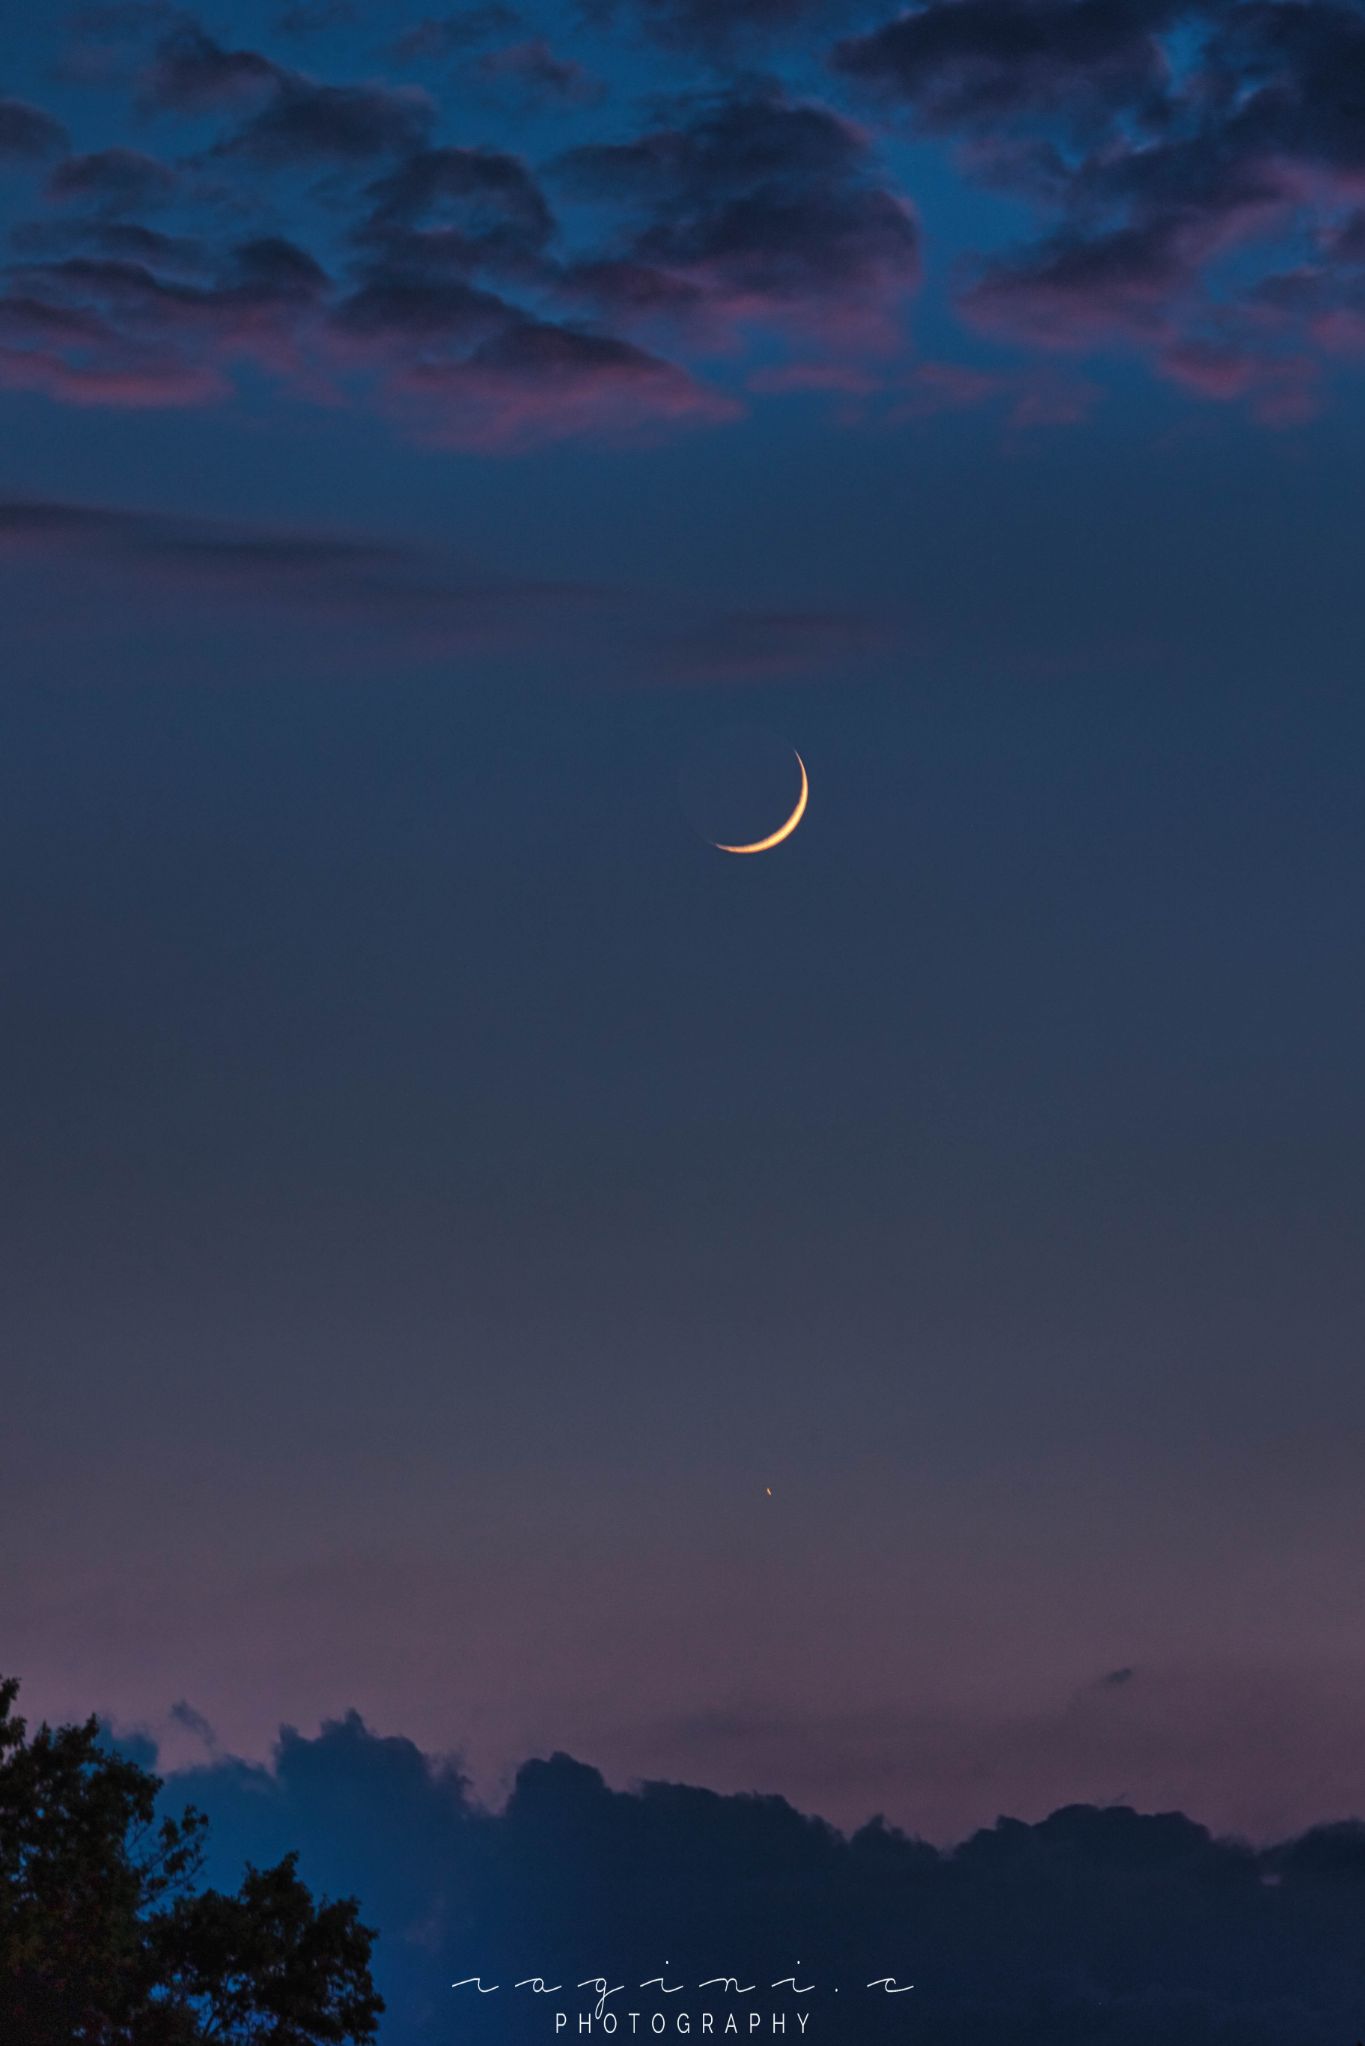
456 208
718 25
537 381
446 35
1192 179
112 180
533 70
971 63
1173 151
309 123
335 585
193 74
290 118
319 575
26 131
751 211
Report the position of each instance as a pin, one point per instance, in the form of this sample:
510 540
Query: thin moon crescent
783 830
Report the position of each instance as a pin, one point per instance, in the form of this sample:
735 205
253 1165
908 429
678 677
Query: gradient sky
440 1194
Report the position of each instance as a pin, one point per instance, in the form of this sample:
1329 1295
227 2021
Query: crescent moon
783 830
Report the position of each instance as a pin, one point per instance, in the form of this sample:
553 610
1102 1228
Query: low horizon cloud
1093 1923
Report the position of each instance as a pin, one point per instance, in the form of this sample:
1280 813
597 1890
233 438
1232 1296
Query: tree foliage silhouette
107 1937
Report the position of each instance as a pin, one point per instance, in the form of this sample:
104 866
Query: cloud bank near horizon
1094 1924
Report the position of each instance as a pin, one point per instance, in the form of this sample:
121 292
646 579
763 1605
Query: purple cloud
537 381
1175 152
112 179
442 36
410 333
752 211
972 62
717 24
146 340
538 74
27 132
1194 177
309 123
192 74
324 580
340 584
292 118
466 208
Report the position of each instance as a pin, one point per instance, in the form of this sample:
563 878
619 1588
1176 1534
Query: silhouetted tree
107 1939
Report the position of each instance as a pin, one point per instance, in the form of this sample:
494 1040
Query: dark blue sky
441 1192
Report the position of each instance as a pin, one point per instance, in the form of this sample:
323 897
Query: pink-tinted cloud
155 384
1173 151
1193 194
752 213
333 584
753 219
342 590
1033 396
120 333
457 362
536 381
1077 294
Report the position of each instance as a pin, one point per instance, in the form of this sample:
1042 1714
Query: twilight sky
440 1193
